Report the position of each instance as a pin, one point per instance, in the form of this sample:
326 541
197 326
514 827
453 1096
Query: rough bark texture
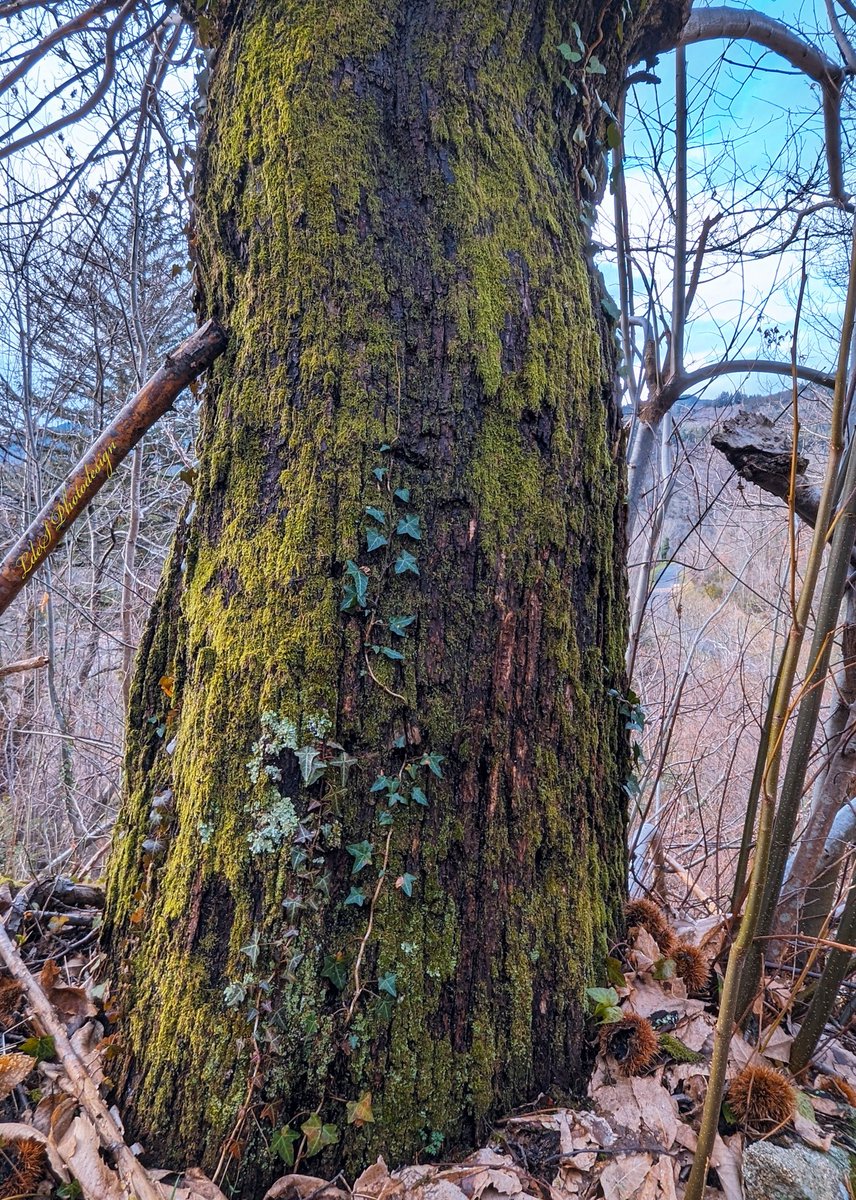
388 224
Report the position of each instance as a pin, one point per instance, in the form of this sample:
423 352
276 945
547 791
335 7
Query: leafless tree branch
747 25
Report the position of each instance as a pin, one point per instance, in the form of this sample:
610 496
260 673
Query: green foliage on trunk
388 225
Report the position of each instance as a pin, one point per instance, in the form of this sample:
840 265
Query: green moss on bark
388 225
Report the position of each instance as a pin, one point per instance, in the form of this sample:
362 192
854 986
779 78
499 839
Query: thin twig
133 1175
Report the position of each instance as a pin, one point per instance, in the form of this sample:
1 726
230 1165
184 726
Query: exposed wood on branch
24 664
760 453
153 399
43 892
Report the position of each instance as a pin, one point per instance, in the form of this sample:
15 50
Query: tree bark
389 200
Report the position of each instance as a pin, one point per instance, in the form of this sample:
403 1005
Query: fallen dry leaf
375 1183
443 1189
299 1187
727 1159
79 1150
740 1055
72 1004
191 1184
778 1047
640 1106
638 1177
644 953
10 996
811 1133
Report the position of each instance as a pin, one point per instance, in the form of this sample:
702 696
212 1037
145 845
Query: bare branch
840 36
99 462
53 38
25 664
91 101
740 24
674 388
706 227
132 1174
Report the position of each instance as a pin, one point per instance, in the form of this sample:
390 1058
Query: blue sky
760 118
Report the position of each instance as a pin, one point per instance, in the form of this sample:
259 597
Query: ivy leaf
387 983
360 1111
379 473
419 796
405 882
408 526
594 66
602 996
361 853
282 1143
42 1049
355 896
402 494
398 625
568 54
384 1009
432 762
378 514
406 562
375 540
335 970
318 1135
383 783
388 652
312 765
252 948
384 817
613 135
610 1015
356 590
615 973
400 742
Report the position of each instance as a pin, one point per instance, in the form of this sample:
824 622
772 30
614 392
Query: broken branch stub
760 452
154 398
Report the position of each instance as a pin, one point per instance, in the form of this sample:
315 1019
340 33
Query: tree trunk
389 199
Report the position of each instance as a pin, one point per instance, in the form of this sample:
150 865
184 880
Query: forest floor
632 1139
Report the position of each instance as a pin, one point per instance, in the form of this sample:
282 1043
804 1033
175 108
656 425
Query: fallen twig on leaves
134 1177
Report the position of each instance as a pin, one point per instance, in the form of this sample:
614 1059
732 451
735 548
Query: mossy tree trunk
402 560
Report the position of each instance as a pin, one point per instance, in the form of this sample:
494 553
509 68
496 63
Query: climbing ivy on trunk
372 846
